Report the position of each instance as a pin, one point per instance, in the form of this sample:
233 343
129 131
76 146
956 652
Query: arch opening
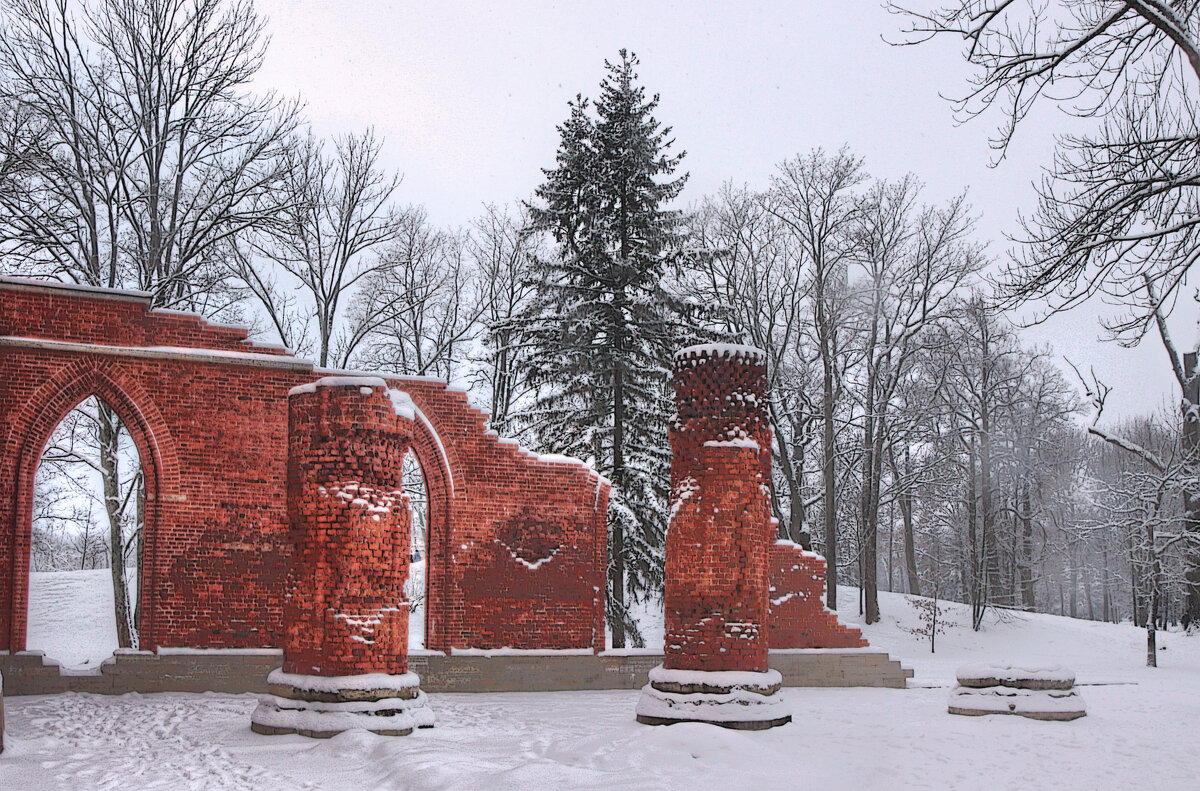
86 546
415 590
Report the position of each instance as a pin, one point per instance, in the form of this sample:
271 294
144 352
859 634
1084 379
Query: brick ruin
345 646
732 590
516 544
516 541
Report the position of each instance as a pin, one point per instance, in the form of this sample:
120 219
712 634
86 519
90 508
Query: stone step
215 671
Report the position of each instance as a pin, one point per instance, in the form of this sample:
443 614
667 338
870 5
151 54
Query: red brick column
718 547
345 651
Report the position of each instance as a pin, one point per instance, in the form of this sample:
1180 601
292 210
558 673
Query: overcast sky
467 96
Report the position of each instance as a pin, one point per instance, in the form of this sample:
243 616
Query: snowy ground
71 616
1138 731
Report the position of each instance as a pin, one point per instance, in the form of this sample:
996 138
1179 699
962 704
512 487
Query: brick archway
434 461
517 541
30 430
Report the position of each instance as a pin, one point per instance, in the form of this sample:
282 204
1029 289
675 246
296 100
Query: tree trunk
1106 600
108 432
1028 599
906 514
1191 500
618 531
828 472
869 551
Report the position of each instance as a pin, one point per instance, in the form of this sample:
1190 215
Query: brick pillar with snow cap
718 548
345 652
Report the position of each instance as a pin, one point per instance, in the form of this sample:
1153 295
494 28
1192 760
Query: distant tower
718 548
345 652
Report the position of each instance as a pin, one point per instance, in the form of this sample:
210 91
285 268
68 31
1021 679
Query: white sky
467 96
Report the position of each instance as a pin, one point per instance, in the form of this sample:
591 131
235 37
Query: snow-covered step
982 675
1037 704
1040 692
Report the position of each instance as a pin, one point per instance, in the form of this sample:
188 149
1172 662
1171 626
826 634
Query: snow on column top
730 350
338 381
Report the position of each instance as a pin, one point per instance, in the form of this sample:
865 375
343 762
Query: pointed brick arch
517 541
29 431
434 461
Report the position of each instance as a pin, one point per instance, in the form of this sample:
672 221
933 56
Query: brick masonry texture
799 618
719 535
516 544
344 610
732 590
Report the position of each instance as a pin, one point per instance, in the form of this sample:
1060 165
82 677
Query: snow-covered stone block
730 699
324 706
1021 677
1040 692
1037 704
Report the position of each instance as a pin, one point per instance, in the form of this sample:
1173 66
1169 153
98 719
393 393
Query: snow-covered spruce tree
601 327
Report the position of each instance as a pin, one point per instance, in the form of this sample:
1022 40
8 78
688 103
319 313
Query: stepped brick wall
799 617
516 545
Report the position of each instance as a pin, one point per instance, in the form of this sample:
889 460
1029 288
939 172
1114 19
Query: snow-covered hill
1098 652
71 616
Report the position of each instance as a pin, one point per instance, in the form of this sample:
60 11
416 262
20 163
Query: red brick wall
799 617
211 429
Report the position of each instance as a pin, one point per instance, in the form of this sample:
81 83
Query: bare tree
912 261
752 277
421 307
503 252
152 154
985 370
1148 499
1118 212
337 218
815 198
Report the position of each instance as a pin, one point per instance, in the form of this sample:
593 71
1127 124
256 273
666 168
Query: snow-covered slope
1097 652
1138 731
71 616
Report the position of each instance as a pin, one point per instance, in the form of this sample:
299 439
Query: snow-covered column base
324 706
1039 693
345 619
732 699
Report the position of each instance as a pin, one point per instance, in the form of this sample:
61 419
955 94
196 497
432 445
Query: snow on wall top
337 381
730 350
30 282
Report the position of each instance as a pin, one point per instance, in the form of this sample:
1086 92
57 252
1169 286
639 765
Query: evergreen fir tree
602 327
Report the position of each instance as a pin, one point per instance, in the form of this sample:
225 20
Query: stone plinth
1039 693
345 651
718 548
